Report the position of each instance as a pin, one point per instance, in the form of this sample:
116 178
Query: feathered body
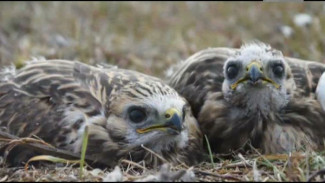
55 99
253 94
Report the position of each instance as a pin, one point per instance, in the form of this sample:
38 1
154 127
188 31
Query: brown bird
254 94
55 99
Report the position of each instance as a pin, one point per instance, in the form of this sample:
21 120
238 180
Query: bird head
150 113
255 78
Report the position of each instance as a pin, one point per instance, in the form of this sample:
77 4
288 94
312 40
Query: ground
151 36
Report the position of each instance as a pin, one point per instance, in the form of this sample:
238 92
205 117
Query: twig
157 155
274 167
238 164
133 163
29 140
217 175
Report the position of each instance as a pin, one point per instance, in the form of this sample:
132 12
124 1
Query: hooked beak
171 123
254 73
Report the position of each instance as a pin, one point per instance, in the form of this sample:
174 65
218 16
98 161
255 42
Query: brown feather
300 124
55 99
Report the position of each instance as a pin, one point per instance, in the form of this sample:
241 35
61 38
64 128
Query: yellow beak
170 122
254 72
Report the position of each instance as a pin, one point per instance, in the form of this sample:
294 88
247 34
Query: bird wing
50 99
202 73
306 75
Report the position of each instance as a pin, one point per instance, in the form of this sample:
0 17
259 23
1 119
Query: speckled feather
55 99
301 124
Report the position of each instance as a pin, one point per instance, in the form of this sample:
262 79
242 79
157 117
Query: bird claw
320 91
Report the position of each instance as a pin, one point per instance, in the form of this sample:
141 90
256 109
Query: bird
126 112
253 96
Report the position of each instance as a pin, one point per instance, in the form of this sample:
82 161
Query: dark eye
278 70
232 71
137 115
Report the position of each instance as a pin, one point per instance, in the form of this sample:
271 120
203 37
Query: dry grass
306 166
149 37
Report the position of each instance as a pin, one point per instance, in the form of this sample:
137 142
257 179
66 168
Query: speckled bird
254 95
123 109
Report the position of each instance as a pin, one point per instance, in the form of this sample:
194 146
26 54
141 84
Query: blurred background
150 36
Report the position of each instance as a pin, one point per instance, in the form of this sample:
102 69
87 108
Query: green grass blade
210 152
83 150
49 158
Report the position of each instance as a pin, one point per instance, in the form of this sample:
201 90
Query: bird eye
232 71
137 115
278 70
